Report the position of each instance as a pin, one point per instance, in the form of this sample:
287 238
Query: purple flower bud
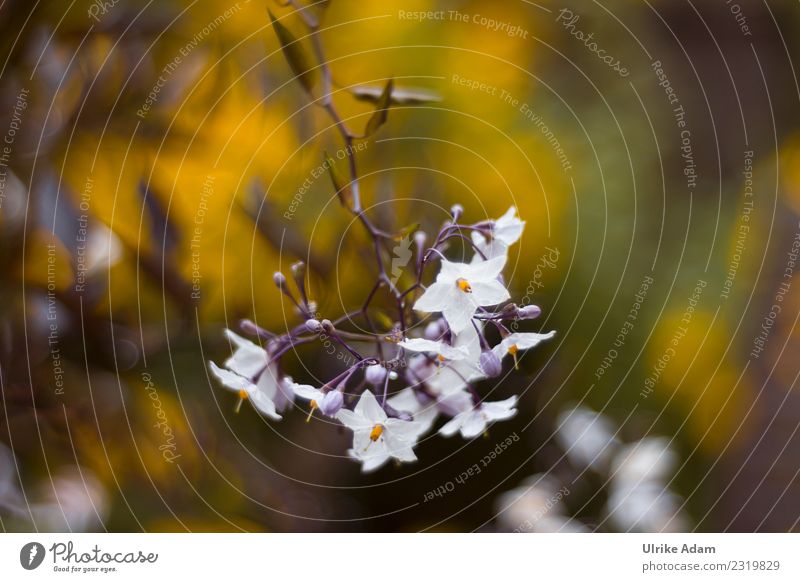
419 238
375 375
490 364
331 403
434 330
456 210
529 312
327 326
298 270
313 325
280 280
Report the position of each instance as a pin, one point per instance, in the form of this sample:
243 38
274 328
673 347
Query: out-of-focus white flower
475 419
376 437
587 437
515 342
328 403
535 506
254 377
76 502
639 499
424 413
461 288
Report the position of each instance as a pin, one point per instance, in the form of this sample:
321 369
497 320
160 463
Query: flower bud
280 280
434 330
529 312
392 375
313 326
375 374
490 364
298 270
419 238
331 403
327 326
456 211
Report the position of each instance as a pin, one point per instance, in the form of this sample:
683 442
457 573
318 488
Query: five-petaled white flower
513 343
461 288
475 419
506 230
256 378
376 437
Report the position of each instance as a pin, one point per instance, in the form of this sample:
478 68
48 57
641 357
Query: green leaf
400 95
301 65
381 110
340 184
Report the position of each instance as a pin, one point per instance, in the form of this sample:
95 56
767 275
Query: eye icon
31 555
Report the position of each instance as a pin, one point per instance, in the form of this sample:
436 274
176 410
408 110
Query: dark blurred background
152 150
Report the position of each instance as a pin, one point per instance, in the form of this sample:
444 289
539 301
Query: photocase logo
31 555
402 255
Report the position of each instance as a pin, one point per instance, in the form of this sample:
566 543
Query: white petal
353 421
459 311
307 392
264 404
248 359
369 408
484 271
434 298
405 430
230 380
268 382
474 424
489 292
374 461
452 427
526 341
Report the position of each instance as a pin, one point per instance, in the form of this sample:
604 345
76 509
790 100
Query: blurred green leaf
340 183
381 110
302 66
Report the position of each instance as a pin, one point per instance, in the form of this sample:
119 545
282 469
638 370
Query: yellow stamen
440 358
464 285
313 406
513 349
376 433
242 397
243 394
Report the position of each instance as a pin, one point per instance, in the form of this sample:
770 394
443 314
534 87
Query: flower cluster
425 366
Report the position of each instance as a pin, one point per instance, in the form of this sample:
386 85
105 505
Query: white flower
461 288
587 437
441 349
376 437
639 499
256 378
246 391
488 248
515 342
474 420
506 230
452 375
424 413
